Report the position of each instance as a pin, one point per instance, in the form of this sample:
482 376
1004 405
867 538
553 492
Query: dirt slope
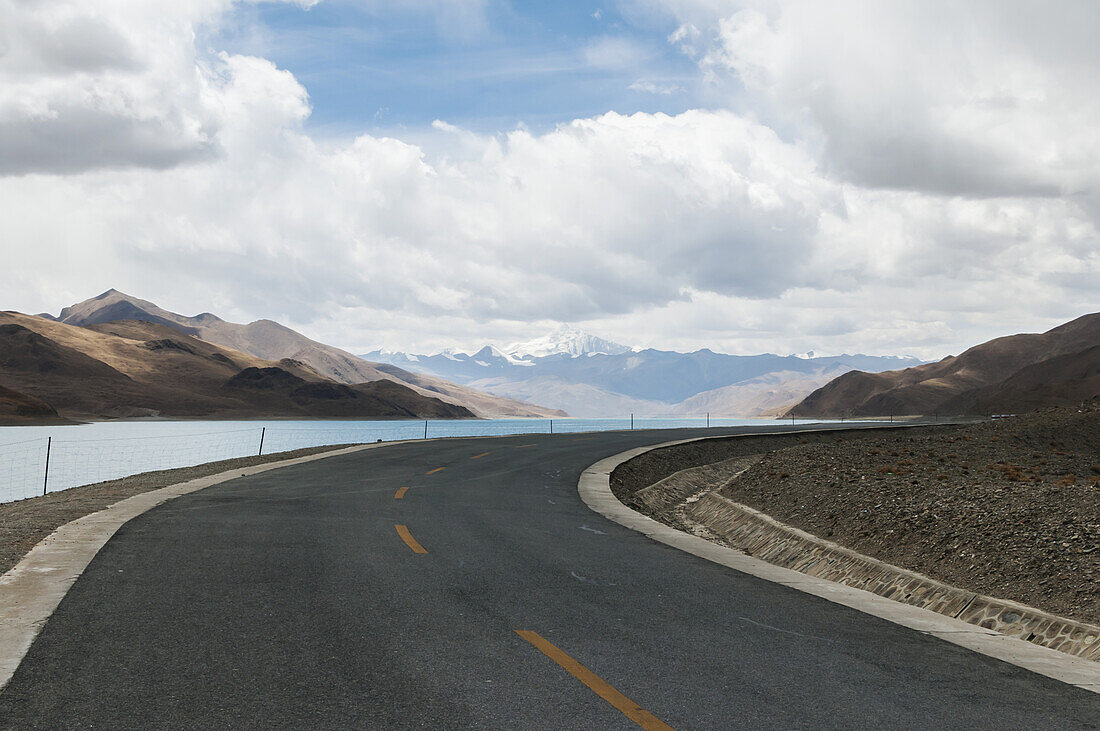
19 408
1009 508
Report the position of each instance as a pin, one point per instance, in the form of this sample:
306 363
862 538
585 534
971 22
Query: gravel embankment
1009 508
24 523
644 470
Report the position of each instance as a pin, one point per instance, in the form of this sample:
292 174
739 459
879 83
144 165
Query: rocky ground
1008 508
24 523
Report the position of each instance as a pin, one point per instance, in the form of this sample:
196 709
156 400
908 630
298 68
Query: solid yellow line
437 469
409 540
479 456
400 493
596 684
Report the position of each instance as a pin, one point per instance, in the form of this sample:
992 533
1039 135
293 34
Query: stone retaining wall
674 490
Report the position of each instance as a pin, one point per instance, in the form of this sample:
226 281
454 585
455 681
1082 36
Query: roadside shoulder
32 589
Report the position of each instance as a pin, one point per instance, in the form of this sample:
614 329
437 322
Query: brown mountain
269 340
1014 373
132 368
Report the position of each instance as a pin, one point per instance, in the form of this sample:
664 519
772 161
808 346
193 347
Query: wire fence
50 463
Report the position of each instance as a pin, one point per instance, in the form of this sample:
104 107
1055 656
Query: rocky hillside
1017 373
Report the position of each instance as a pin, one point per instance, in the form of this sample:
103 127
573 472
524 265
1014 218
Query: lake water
88 453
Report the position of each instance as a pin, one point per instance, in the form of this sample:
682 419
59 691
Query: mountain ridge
647 380
271 340
1013 372
133 368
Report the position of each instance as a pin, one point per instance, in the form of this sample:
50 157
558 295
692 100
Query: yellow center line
437 469
400 493
479 456
596 684
407 537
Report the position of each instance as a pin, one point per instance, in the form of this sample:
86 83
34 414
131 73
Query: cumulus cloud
977 99
889 213
89 85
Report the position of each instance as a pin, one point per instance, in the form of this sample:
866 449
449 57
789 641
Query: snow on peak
808 355
568 340
453 353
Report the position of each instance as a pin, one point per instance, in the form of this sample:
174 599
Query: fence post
425 428
263 431
708 420
551 426
46 477
632 422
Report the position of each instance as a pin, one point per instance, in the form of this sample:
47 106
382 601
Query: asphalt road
290 599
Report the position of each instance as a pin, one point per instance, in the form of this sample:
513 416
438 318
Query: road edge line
594 487
32 589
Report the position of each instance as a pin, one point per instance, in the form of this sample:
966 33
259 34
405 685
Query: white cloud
90 85
976 99
188 178
651 87
614 52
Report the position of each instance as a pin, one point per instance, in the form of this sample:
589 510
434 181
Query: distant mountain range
1060 367
588 376
271 341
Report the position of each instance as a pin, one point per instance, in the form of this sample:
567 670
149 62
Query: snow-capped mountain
585 375
567 340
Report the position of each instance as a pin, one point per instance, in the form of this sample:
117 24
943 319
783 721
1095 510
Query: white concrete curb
32 589
595 490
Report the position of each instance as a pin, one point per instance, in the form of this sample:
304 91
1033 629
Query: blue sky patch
392 66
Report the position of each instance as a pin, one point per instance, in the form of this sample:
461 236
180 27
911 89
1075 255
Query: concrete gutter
32 589
595 490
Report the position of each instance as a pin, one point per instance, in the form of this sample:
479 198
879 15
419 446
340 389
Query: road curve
463 584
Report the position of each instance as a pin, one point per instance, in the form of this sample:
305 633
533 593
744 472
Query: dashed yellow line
479 456
400 493
521 446
596 684
437 469
407 537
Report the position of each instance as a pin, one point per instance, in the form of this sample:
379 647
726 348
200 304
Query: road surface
463 584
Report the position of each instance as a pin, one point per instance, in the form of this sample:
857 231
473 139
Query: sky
906 178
